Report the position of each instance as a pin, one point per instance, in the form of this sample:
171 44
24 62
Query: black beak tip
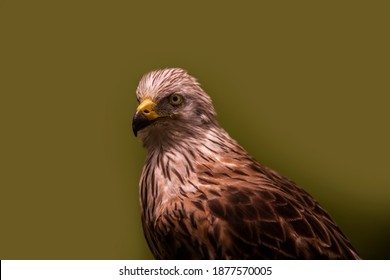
139 122
135 131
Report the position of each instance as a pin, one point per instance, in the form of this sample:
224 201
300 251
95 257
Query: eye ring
175 99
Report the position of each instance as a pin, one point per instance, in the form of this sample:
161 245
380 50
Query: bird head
171 102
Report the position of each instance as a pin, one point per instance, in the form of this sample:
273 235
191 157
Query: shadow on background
302 86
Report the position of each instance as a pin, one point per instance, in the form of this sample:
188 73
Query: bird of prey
203 196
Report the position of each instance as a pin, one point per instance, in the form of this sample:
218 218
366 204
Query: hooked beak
144 115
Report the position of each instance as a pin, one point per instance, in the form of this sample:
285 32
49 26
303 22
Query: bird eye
175 99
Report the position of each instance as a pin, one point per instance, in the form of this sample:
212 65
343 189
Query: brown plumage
204 197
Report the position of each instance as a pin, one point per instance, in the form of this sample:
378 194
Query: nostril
146 111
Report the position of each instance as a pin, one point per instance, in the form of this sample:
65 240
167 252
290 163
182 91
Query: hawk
203 196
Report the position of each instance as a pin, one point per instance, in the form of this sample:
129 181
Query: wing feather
268 218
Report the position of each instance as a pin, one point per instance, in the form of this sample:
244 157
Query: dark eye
175 99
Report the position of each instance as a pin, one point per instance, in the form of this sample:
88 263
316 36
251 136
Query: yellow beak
144 115
147 108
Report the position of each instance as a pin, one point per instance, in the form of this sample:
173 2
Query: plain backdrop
302 85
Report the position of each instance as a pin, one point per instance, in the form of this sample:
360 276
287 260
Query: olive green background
303 86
